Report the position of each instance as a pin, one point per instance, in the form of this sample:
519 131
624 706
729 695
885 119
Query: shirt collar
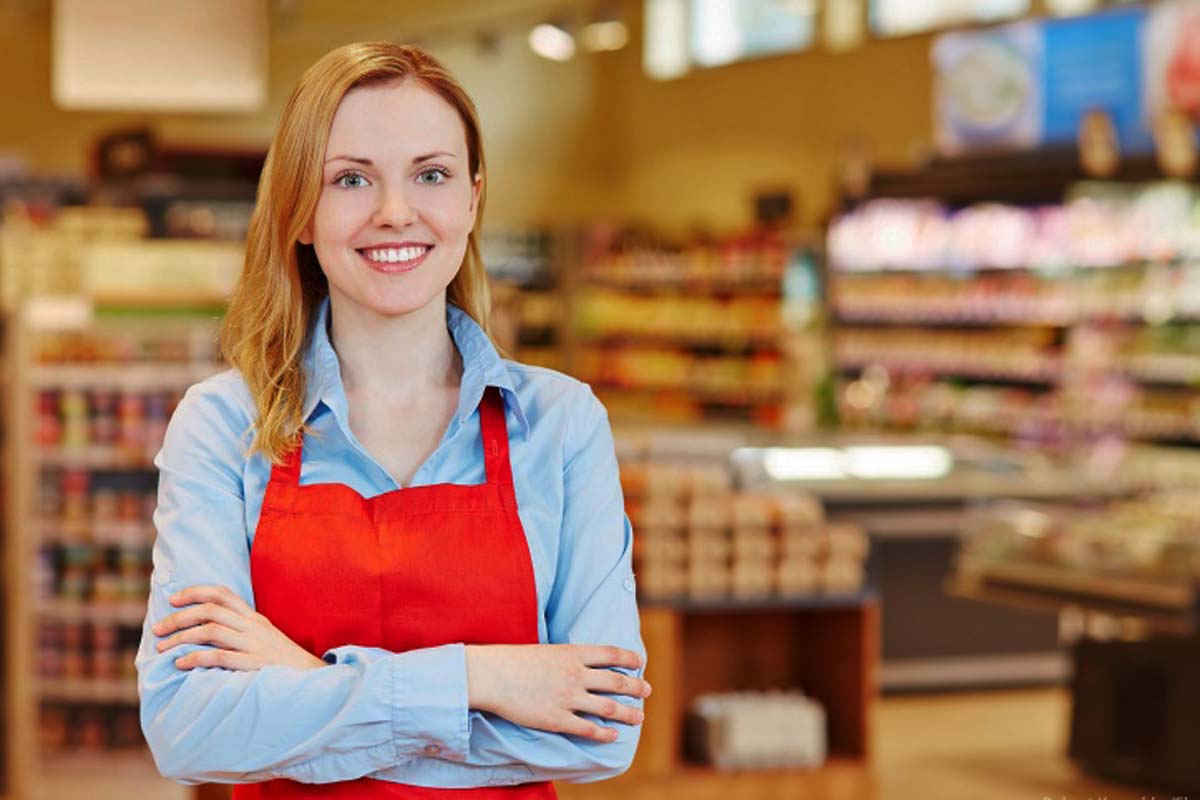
482 367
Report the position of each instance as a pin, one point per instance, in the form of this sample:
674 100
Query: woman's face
397 202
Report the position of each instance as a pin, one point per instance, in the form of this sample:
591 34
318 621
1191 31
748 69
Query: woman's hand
246 639
543 685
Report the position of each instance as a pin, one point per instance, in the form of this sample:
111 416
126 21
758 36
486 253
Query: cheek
451 216
337 216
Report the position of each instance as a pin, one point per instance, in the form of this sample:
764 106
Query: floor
988 746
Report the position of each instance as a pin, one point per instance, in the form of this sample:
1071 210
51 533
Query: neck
403 359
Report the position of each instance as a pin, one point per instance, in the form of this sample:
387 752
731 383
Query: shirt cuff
430 717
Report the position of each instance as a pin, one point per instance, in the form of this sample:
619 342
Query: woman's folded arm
210 724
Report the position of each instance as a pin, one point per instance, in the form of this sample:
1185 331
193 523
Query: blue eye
438 172
338 180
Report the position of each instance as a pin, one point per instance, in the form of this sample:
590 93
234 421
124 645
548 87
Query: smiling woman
363 586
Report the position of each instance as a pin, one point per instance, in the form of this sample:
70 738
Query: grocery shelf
718 605
142 376
768 288
91 690
710 341
1046 601
1152 594
1046 378
116 613
94 457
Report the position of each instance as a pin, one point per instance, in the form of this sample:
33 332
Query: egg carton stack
697 536
709 504
671 560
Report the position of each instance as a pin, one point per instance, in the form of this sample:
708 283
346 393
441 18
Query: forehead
398 118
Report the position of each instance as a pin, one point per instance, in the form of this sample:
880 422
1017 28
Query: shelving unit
828 649
701 332
93 369
92 425
1060 312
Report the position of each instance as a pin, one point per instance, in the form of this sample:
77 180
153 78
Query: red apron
416 567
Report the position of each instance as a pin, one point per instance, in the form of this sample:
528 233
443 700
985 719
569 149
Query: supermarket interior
892 306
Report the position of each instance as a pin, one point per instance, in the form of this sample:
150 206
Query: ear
305 236
476 188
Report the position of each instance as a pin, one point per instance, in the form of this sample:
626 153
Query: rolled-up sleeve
211 724
593 602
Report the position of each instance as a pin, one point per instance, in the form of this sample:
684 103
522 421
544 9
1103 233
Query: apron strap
494 431
288 473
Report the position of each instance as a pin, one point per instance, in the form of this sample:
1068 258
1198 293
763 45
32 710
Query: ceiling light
604 35
552 41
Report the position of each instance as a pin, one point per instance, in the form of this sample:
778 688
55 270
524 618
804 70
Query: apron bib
417 567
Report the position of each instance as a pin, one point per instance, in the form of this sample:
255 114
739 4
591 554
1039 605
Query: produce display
1143 551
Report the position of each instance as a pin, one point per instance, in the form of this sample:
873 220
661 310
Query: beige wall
537 116
696 149
592 137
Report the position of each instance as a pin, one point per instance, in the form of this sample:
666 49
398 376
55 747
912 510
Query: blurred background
894 305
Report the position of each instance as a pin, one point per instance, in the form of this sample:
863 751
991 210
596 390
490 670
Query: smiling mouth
398 260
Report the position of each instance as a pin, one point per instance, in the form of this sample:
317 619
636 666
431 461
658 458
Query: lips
396 267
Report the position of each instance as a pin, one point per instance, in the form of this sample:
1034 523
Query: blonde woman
390 562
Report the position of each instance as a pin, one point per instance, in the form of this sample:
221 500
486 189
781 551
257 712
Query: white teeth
395 255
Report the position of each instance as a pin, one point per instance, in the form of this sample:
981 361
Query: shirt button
628 584
432 750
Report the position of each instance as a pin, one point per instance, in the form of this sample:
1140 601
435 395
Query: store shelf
710 341
1040 379
121 692
141 376
732 605
732 286
94 457
1038 599
98 533
748 397
114 613
1148 594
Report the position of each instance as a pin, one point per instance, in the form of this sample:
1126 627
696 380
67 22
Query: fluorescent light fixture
865 463
804 463
665 40
604 35
552 42
716 37
912 463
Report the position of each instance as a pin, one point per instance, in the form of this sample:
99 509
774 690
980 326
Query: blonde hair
266 328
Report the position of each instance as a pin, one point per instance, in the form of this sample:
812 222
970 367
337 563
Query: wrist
476 676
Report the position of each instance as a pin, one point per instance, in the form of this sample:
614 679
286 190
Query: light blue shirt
373 712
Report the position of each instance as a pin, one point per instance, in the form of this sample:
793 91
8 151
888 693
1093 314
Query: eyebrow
368 162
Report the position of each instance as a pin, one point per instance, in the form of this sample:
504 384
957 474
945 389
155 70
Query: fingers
225 659
609 656
208 633
206 612
605 680
221 595
608 708
578 726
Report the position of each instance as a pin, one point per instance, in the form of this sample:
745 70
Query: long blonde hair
266 328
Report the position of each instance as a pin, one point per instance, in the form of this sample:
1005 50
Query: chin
394 303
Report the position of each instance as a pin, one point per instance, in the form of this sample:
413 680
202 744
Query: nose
394 210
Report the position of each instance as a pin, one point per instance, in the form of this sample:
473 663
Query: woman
389 562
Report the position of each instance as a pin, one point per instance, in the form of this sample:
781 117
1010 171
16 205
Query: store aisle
998 745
